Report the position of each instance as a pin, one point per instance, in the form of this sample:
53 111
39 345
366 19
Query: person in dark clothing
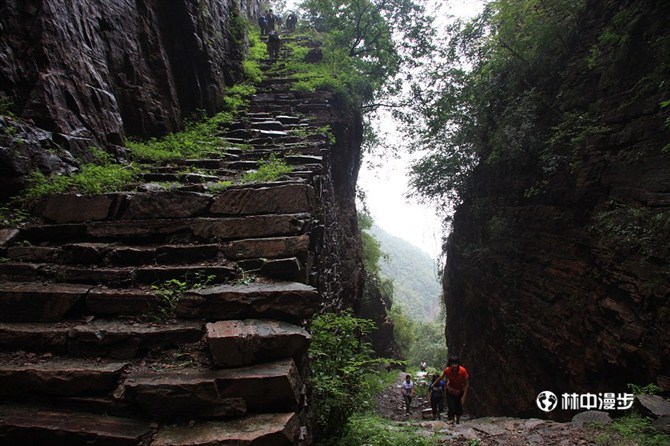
291 21
436 396
270 20
274 44
262 24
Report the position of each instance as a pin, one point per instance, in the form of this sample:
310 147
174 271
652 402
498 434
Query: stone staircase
172 317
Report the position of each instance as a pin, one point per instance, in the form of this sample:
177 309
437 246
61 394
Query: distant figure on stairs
274 44
270 20
263 25
291 21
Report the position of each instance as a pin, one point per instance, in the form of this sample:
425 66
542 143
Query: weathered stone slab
70 208
32 253
220 393
125 340
290 301
285 119
591 416
207 229
184 393
28 302
252 226
94 276
161 273
662 424
267 125
59 377
83 253
273 386
290 269
113 338
269 248
24 425
240 342
7 235
655 405
20 272
169 204
254 430
33 337
284 199
108 301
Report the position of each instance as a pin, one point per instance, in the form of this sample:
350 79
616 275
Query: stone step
261 388
281 429
26 425
186 230
112 254
236 343
57 376
287 301
270 248
29 302
117 276
115 339
281 199
176 204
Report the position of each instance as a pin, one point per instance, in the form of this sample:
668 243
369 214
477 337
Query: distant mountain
414 274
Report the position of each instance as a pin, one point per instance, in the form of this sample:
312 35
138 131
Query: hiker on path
274 44
436 392
423 366
407 392
270 20
291 21
263 24
458 381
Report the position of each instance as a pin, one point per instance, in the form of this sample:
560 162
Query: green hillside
414 274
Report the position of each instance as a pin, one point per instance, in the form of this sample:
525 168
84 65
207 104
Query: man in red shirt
457 380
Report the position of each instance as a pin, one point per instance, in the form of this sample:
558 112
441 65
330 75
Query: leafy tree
373 41
483 99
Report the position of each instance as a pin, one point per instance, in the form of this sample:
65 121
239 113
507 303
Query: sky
386 185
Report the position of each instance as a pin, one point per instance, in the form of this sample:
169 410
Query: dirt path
493 431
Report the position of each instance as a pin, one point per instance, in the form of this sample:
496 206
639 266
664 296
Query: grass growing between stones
269 169
632 430
373 429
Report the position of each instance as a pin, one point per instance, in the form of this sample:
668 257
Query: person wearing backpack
436 391
458 381
262 24
274 44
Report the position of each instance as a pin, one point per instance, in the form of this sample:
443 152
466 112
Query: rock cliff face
568 289
95 71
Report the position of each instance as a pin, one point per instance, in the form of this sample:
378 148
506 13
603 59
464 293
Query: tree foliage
375 42
342 368
483 98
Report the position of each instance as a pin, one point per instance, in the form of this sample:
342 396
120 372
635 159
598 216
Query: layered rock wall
94 72
565 287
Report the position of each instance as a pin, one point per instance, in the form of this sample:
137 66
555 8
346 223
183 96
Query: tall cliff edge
561 281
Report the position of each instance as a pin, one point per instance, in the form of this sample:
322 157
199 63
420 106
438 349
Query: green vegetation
369 47
643 229
269 169
90 179
171 291
345 375
6 107
12 216
374 430
632 429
